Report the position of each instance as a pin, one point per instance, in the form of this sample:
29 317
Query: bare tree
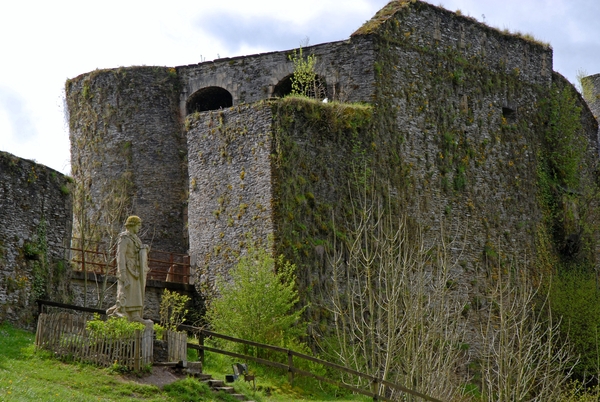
97 225
396 310
522 357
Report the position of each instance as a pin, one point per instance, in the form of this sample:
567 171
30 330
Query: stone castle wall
346 67
435 30
126 141
231 196
459 124
35 230
591 92
469 116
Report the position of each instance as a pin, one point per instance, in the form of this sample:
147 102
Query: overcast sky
42 43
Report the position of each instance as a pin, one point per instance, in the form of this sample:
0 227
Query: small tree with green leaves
258 302
305 81
172 309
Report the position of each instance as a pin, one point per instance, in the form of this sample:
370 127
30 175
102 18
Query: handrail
164 266
67 306
291 369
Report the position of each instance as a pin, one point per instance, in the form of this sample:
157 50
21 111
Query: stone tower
127 146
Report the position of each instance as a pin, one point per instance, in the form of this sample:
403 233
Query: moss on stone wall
127 147
35 211
321 152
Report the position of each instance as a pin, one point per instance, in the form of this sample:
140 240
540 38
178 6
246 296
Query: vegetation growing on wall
568 198
305 81
480 143
100 106
317 148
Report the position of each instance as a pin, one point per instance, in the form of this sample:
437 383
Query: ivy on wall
317 150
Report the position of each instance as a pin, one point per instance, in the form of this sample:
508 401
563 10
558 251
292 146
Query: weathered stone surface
230 184
35 233
457 126
154 290
125 130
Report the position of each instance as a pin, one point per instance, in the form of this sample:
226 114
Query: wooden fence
176 346
379 388
65 335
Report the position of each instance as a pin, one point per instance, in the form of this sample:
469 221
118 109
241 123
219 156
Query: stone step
219 386
200 377
216 383
227 390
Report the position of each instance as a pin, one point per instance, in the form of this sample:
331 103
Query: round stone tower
128 154
591 93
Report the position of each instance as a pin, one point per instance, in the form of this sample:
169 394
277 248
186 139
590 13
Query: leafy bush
113 327
258 303
172 309
574 298
158 331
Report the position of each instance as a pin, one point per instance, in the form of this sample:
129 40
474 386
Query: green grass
27 375
272 384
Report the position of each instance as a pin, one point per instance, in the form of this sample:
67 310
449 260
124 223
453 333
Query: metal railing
164 266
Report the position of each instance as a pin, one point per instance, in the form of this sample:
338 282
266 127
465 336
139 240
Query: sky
43 43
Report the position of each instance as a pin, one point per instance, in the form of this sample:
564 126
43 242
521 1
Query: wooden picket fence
66 336
176 346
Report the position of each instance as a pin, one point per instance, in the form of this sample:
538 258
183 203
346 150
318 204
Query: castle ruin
451 115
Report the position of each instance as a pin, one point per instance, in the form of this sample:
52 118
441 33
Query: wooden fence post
375 389
137 350
201 343
290 366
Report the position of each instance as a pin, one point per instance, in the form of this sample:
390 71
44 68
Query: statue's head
133 221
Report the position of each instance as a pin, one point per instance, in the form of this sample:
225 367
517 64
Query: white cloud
44 43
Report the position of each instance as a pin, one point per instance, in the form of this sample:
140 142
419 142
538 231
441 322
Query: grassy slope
29 376
26 375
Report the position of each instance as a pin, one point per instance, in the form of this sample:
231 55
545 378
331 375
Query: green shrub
113 327
575 298
258 303
172 309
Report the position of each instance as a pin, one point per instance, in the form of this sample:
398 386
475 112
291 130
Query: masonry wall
231 195
591 92
154 291
468 117
429 30
127 146
346 67
35 216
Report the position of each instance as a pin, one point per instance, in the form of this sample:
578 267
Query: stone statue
132 268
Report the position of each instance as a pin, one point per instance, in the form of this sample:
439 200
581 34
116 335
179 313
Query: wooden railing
379 390
164 266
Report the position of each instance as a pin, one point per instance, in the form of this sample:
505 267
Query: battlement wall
35 232
345 66
434 29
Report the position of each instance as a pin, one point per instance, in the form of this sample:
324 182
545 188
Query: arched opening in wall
209 98
316 89
283 87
